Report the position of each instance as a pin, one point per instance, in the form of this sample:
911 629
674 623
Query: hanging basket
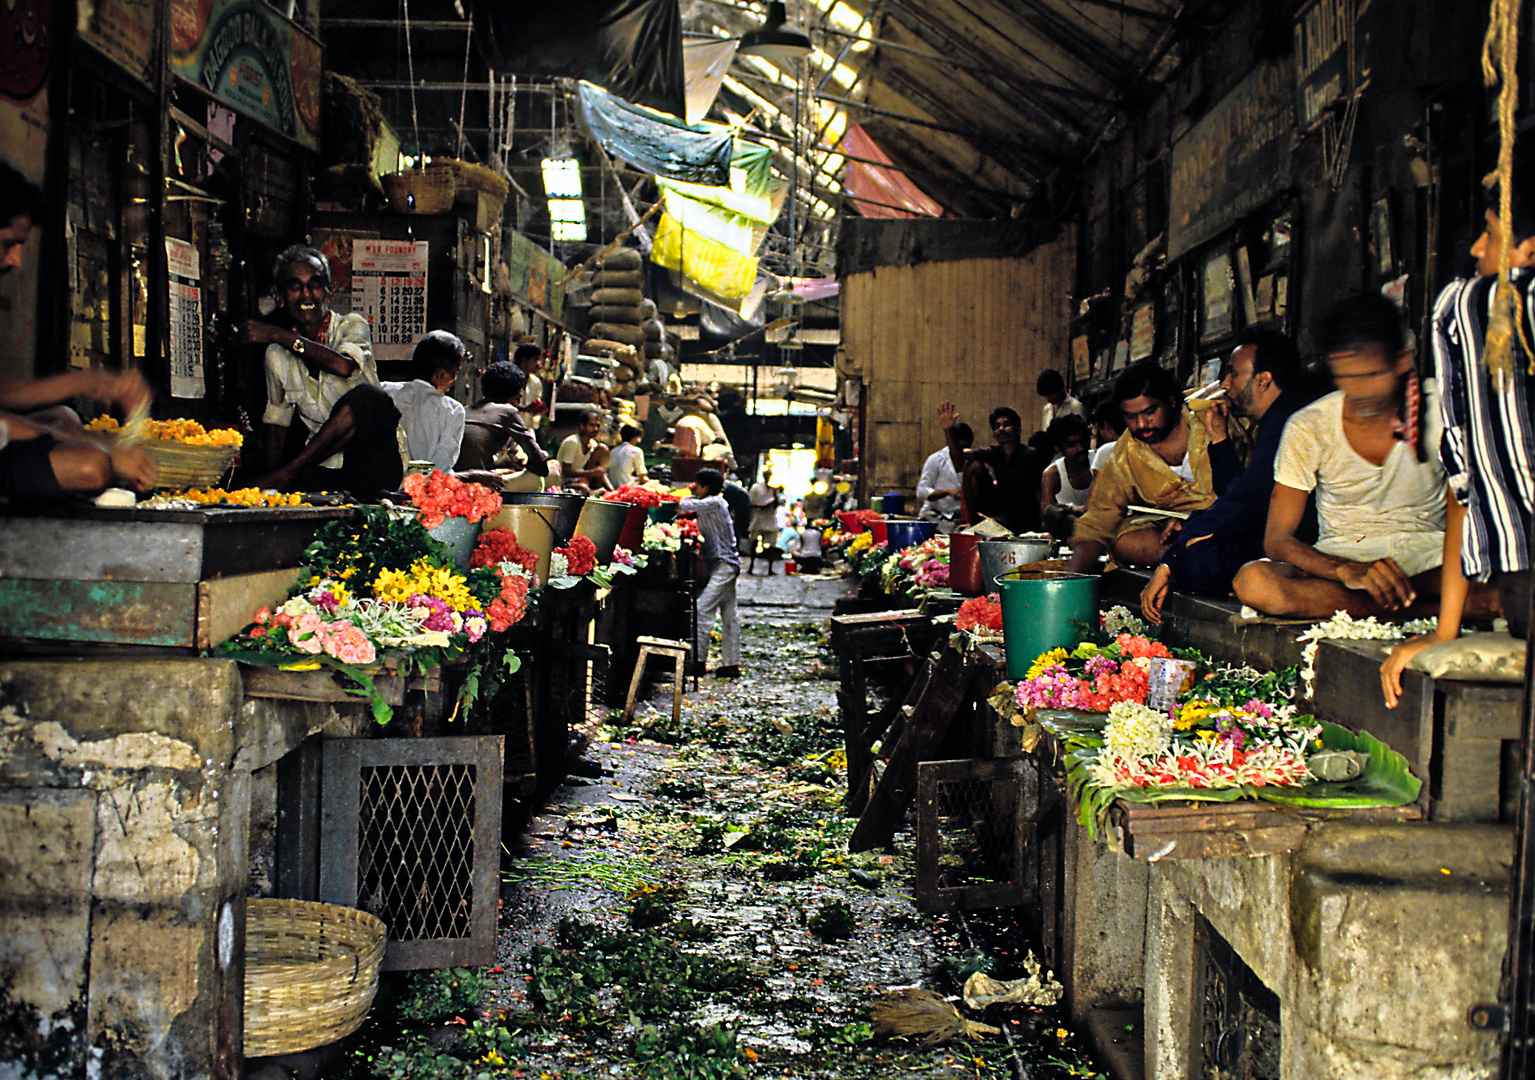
311 971
430 191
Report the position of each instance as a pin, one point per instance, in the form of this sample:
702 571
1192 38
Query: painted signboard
1234 160
125 31
1324 38
536 276
247 55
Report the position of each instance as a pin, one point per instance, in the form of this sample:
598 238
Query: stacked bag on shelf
617 315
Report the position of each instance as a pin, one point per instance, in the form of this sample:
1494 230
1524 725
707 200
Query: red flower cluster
580 556
508 608
499 546
639 495
1131 682
441 496
979 613
688 527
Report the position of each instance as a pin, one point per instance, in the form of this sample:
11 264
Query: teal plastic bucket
1043 610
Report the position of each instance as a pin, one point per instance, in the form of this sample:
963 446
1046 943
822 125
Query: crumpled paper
1038 988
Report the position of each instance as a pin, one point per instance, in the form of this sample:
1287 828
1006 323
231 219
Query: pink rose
305 637
348 643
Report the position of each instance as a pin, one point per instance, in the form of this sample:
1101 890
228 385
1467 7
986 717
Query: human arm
1453 590
123 388
1154 595
948 416
1383 579
1049 488
343 363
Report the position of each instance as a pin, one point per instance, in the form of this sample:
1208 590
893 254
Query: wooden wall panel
977 333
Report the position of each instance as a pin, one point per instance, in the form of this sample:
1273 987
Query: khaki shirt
1136 474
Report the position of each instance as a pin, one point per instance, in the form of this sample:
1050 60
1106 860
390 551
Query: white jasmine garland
1135 731
1343 626
1120 620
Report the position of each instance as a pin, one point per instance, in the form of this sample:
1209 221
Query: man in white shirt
1378 482
938 487
319 366
583 460
1052 387
432 421
626 464
531 403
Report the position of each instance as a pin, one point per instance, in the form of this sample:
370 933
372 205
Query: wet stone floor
693 912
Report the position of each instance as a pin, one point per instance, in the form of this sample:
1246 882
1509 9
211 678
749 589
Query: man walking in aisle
722 564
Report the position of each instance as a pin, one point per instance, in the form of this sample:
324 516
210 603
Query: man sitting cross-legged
1378 482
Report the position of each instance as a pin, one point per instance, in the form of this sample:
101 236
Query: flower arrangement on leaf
1091 677
1243 749
382 584
440 496
570 563
981 618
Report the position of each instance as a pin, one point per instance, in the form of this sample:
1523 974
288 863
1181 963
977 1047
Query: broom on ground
924 1016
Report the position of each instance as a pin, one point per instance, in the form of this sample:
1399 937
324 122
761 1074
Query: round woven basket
430 191
311 971
183 465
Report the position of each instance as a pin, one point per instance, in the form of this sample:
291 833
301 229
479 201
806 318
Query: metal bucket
566 508
602 522
1000 556
1044 610
534 529
460 534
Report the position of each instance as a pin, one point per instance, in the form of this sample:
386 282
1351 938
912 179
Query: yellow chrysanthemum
400 585
1054 656
861 542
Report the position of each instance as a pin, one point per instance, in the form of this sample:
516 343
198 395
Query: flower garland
1343 626
440 496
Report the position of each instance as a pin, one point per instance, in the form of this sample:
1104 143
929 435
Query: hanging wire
410 67
463 99
1500 57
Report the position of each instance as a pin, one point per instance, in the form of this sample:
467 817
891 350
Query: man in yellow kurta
1161 461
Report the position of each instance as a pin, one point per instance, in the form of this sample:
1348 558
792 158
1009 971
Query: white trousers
719 595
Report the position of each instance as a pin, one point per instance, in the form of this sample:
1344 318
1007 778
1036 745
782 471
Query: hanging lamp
773 40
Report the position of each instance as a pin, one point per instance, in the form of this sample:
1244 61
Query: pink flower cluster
1107 682
441 496
933 574
311 634
623 556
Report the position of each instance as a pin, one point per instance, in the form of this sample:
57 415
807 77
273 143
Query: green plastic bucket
1043 610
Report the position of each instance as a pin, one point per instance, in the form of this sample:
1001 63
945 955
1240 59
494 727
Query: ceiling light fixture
773 40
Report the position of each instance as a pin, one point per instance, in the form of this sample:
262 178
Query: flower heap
1091 677
649 494
440 496
575 560
1140 751
183 431
981 618
928 563
499 552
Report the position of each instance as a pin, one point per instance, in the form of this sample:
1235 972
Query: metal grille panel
972 824
411 831
1238 1017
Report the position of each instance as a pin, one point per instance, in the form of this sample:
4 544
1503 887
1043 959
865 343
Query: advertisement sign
186 319
389 289
27 50
1324 37
1234 160
247 55
125 31
535 276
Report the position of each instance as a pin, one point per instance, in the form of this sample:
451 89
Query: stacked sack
617 315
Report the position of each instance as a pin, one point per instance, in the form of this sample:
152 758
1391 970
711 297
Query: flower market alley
690 908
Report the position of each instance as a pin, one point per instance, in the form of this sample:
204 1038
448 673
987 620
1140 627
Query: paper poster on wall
389 289
1081 359
1143 332
1216 308
186 319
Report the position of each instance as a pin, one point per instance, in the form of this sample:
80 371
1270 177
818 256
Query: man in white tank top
1063 488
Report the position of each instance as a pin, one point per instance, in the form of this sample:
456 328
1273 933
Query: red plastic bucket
850 523
790 567
965 564
877 528
632 538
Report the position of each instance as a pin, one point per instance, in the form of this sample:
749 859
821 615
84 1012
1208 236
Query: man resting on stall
1488 438
1265 383
319 366
494 427
583 460
1066 480
1162 461
432 421
1000 481
1379 486
46 455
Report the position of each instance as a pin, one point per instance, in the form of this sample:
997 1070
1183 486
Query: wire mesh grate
415 860
970 833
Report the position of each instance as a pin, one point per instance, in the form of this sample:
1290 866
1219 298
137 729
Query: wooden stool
654 646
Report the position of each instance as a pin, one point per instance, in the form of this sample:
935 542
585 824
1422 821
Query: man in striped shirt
1488 448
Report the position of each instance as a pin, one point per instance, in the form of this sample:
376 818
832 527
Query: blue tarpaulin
656 142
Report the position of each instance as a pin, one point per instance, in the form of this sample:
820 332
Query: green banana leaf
355 680
1386 781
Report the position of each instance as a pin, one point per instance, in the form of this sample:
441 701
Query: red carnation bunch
580 556
508 608
639 495
979 613
441 496
499 546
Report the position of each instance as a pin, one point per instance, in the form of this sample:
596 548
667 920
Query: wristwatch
298 346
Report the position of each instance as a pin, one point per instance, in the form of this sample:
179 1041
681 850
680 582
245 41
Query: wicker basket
430 191
311 971
183 465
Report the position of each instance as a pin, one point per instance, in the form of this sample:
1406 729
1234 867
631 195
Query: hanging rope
410 67
463 100
1500 56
